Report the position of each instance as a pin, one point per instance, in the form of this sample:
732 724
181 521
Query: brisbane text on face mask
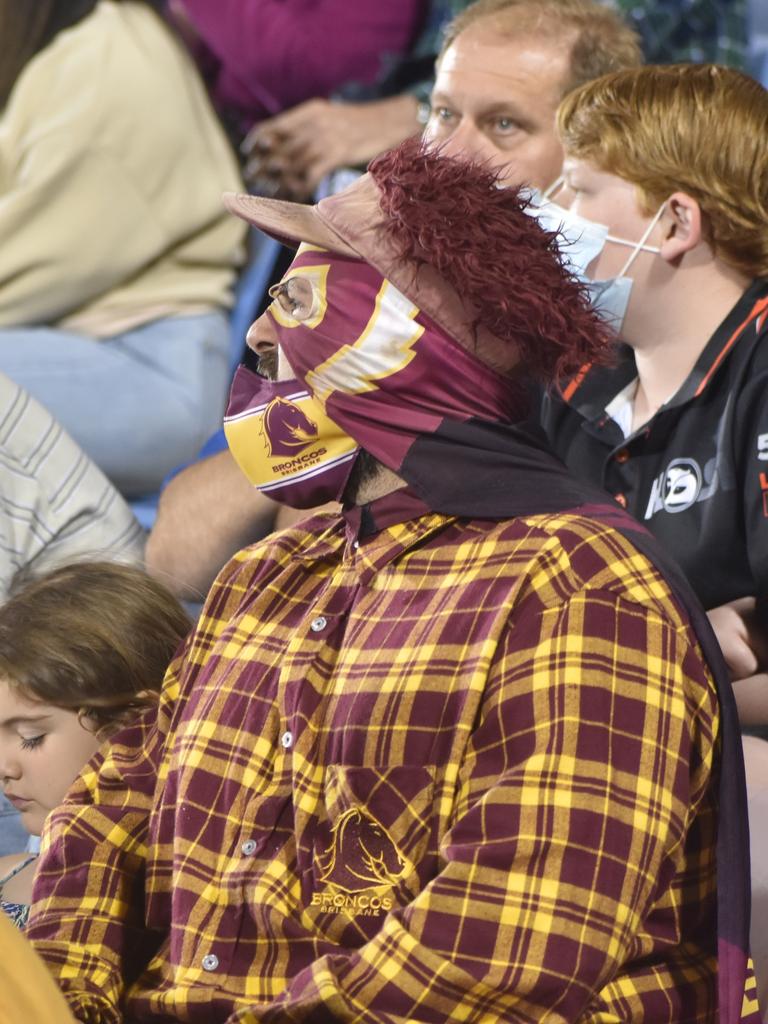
300 461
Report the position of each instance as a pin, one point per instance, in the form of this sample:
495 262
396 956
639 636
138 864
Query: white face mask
583 241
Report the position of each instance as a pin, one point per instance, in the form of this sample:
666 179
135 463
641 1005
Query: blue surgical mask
610 299
583 241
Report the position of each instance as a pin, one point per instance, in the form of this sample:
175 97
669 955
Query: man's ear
681 222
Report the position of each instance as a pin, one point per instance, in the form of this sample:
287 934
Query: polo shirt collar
590 393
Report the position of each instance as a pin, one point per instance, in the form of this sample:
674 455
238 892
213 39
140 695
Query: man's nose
262 336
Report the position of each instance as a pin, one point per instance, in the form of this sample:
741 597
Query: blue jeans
13 835
138 403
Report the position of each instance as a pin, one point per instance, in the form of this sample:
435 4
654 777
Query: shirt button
287 739
210 962
356 545
622 455
318 624
249 847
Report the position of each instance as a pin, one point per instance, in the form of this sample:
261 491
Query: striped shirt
450 770
55 504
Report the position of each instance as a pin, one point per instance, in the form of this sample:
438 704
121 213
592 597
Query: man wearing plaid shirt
454 754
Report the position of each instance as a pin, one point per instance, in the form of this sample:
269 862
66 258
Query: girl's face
42 749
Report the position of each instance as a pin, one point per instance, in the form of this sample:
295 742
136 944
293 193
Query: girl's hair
694 128
91 637
28 26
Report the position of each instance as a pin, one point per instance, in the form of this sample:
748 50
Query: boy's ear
681 222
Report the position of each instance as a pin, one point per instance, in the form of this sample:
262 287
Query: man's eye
506 124
30 742
287 302
443 114
290 304
295 297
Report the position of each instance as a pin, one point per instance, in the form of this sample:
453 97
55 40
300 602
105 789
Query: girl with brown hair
83 650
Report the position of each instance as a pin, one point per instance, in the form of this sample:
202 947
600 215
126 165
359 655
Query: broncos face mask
283 441
369 365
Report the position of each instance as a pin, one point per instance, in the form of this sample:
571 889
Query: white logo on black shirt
678 487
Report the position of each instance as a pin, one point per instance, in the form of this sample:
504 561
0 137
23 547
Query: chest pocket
377 846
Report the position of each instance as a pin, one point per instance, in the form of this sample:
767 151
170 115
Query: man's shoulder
557 555
319 536
585 549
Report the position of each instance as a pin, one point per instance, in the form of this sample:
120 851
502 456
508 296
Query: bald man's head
503 70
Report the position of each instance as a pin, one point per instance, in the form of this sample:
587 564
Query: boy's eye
30 742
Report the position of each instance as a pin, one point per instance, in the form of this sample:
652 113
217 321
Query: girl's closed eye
30 742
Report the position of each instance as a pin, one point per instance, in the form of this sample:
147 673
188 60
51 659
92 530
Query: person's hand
741 630
290 154
740 636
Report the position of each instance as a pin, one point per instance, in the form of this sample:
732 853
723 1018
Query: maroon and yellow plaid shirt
453 771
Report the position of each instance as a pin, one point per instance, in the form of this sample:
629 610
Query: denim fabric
138 403
13 835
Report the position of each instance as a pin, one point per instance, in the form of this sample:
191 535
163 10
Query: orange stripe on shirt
574 385
761 306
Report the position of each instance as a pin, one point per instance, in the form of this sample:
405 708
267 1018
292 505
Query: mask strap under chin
554 188
641 246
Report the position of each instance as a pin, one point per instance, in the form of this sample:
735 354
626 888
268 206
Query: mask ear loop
554 188
640 246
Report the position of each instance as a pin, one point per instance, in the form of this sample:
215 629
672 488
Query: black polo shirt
697 473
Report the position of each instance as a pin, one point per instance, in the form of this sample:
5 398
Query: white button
356 545
249 846
210 962
287 739
319 623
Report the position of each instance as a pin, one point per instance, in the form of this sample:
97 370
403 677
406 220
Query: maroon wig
454 216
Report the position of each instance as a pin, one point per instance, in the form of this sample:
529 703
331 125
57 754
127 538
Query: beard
266 364
365 470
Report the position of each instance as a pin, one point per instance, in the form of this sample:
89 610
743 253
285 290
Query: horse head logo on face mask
286 429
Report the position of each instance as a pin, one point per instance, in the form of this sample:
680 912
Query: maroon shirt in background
275 54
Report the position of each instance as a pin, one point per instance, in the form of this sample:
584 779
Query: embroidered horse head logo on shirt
361 854
287 430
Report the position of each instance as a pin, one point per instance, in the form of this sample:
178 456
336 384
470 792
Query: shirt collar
588 394
364 521
746 312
